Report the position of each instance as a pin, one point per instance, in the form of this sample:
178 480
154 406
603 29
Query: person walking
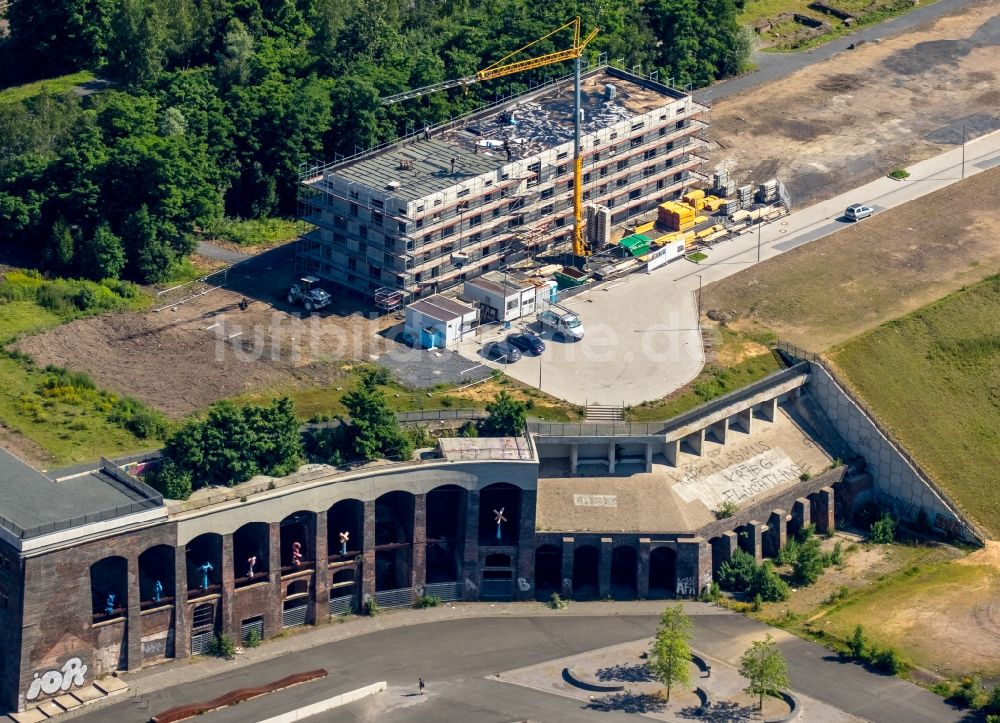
420 684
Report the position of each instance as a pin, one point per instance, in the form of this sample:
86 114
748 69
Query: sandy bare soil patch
185 357
841 123
832 289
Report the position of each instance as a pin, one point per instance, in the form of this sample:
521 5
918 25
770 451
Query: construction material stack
744 194
722 185
676 216
598 226
767 192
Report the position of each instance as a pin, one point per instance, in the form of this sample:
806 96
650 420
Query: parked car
858 211
561 323
527 342
501 351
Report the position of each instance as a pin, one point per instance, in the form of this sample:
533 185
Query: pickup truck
561 323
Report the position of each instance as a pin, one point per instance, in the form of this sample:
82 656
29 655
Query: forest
208 108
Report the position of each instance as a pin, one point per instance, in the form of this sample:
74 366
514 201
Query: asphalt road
772 66
455 658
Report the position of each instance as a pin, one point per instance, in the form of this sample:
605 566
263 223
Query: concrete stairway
602 413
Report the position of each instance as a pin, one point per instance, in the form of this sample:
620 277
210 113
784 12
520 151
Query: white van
561 323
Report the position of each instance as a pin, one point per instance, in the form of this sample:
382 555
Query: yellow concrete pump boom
501 68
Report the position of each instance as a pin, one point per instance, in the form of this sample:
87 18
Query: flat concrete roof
488 448
37 504
441 308
430 170
526 126
747 469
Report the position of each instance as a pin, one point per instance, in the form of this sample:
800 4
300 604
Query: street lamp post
699 300
963 150
760 224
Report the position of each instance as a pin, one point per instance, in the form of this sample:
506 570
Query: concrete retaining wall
899 484
328 704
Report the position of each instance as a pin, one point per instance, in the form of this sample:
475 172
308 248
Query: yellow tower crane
501 68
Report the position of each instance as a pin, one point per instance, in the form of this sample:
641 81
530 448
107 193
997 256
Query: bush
858 642
371 607
887 660
993 702
836 556
970 693
788 554
767 584
712 593
808 565
427 601
134 416
557 603
841 593
758 602
223 646
727 509
899 173
735 574
253 639
469 429
170 480
883 530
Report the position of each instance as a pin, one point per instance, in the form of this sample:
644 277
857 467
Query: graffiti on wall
73 673
751 470
595 500
687 586
523 585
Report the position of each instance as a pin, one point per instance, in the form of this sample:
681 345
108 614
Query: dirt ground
839 124
184 357
943 613
830 290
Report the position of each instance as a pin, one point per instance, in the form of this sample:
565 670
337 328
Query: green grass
890 610
321 402
65 415
899 173
69 422
696 256
932 377
58 85
712 382
254 232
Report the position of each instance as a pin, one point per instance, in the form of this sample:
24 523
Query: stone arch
156 576
204 564
624 572
251 548
548 570
346 516
297 588
298 528
586 571
493 498
394 540
445 530
662 572
109 588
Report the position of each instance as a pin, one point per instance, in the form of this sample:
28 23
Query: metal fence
400 598
437 415
445 591
294 616
639 429
342 605
88 519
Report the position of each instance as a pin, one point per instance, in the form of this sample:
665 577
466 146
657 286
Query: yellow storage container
713 203
693 196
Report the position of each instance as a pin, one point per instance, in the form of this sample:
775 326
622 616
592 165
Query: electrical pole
760 223
963 150
699 301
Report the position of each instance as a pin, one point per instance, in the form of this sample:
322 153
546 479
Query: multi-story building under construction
447 204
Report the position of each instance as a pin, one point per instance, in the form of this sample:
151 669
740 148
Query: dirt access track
185 357
840 123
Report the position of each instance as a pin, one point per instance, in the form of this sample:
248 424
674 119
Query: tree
764 667
858 643
103 257
670 657
506 417
883 530
808 564
375 429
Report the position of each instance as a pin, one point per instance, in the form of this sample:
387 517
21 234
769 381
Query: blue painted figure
204 570
157 590
109 604
500 520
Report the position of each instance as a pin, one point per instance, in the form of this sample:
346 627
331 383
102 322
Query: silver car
858 211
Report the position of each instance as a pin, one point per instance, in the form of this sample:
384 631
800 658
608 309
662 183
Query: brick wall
10 625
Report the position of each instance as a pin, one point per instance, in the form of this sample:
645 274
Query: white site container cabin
438 322
500 299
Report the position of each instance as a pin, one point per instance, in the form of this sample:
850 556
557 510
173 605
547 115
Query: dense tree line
217 103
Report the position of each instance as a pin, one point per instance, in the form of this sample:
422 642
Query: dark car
529 343
501 351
